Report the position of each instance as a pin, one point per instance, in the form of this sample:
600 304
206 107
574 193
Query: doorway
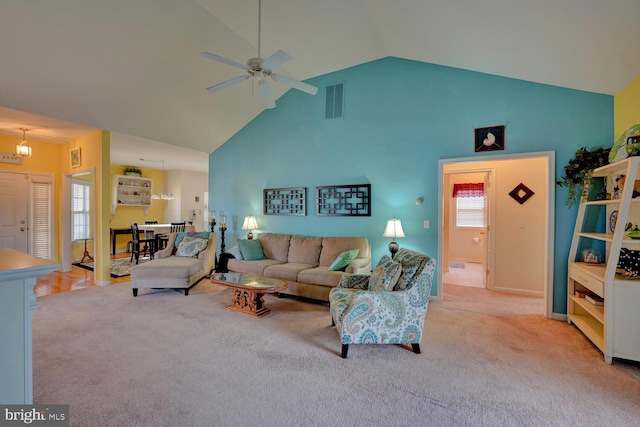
466 218
519 235
26 213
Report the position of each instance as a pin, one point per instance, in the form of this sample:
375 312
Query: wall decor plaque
285 201
343 200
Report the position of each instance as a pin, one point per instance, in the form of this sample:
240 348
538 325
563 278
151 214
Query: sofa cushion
170 267
320 276
275 246
235 251
385 275
254 267
287 271
191 246
305 250
251 249
340 263
334 246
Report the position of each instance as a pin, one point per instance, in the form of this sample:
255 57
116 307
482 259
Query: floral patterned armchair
394 316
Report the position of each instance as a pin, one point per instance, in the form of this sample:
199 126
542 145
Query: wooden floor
77 278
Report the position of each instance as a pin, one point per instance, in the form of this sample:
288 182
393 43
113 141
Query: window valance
468 190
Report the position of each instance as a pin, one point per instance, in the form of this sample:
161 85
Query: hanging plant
578 172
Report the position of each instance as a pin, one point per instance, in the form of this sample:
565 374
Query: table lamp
250 224
393 230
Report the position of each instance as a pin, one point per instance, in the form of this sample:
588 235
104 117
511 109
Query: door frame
549 156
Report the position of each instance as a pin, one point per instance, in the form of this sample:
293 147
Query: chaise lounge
187 258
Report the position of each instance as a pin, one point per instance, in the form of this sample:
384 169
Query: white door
14 211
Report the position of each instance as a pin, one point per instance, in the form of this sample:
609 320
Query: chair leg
416 348
186 291
345 349
333 322
135 292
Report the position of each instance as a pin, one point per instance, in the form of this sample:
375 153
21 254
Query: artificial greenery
132 169
579 169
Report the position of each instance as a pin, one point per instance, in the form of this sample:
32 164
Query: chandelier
162 195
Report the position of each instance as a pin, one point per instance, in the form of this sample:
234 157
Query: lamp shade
250 223
394 229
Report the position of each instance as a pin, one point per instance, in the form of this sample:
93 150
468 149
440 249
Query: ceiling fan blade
267 97
311 90
276 60
223 60
228 83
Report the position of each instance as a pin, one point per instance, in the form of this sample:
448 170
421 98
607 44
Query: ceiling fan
261 69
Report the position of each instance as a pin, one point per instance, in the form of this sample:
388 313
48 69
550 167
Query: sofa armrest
208 256
168 250
359 266
355 281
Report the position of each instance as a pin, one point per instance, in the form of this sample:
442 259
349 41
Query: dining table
155 231
161 228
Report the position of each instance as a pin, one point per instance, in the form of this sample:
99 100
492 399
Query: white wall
186 186
519 252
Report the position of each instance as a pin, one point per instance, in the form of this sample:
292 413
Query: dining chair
177 227
140 246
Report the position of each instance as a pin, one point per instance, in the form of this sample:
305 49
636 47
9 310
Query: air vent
334 101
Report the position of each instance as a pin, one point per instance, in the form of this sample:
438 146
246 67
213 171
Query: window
80 210
470 212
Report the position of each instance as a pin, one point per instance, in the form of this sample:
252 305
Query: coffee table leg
247 302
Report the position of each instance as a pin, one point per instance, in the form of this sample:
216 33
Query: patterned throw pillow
191 246
385 275
343 260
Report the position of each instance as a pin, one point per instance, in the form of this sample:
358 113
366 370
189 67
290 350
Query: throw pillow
343 260
251 249
191 246
235 251
385 276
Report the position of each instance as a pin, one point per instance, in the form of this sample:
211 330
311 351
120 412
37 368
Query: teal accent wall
400 118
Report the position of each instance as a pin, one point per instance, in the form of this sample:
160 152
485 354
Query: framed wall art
76 157
343 200
285 201
489 139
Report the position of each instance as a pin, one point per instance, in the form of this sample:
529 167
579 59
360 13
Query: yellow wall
626 107
125 215
54 158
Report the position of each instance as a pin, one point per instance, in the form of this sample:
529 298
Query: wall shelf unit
602 226
131 191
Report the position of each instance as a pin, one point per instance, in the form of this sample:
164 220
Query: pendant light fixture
163 195
23 149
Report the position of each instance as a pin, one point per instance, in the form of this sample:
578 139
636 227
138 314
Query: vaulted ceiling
133 66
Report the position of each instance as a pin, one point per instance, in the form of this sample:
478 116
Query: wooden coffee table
247 291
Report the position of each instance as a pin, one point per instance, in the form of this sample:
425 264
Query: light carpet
119 267
165 359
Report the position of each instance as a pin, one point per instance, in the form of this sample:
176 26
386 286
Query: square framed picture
76 158
489 139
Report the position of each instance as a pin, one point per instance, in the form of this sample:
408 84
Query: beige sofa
167 270
304 262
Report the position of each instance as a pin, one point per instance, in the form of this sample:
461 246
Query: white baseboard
519 292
